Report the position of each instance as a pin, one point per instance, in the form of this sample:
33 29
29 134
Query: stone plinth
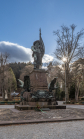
27 107
41 104
38 80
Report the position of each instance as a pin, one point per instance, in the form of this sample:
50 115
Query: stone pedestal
38 80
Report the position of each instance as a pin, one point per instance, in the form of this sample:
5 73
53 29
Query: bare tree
67 47
76 77
78 73
10 82
3 68
81 60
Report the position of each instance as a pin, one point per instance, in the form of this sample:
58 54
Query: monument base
41 104
27 107
38 80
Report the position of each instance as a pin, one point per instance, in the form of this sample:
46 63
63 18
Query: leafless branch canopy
67 42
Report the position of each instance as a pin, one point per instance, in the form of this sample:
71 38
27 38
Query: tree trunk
76 96
3 94
76 92
67 82
67 94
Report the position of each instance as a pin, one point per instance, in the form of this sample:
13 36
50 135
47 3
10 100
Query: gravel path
63 130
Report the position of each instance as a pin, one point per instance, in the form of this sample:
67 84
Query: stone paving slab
13 116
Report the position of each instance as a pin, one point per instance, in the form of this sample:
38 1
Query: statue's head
36 43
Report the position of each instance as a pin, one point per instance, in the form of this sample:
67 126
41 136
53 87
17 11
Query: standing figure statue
38 52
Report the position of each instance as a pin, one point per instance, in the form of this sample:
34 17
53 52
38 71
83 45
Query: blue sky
20 21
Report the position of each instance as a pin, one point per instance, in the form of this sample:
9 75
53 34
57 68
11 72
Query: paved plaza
63 130
37 130
11 114
8 113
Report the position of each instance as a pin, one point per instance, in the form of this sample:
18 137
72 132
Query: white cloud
47 58
19 53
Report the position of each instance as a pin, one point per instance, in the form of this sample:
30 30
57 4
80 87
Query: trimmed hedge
9 102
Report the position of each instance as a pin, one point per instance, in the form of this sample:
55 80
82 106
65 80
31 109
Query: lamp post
64 60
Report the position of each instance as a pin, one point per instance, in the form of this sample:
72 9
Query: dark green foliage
17 67
82 98
9 102
72 91
57 92
62 95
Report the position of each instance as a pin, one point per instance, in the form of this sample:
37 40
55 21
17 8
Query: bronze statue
38 52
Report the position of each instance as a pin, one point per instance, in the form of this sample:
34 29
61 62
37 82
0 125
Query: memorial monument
36 89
